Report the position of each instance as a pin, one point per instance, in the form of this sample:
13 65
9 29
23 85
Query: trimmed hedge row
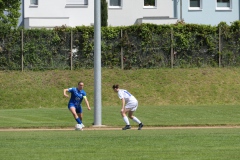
138 46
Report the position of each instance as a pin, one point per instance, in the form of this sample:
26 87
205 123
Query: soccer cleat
126 127
82 125
140 126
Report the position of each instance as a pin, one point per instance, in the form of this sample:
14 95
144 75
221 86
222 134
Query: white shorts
132 105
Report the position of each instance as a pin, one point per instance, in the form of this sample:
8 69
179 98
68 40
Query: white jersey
128 97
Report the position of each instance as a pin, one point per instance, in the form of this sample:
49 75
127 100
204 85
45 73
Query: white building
52 13
130 12
209 12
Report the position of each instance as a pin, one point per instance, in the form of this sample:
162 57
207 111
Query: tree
9 13
104 13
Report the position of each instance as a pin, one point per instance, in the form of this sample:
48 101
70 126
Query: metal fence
30 51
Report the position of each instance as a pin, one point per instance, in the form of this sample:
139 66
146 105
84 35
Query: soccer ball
78 127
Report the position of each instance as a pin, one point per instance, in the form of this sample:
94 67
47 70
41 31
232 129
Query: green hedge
143 46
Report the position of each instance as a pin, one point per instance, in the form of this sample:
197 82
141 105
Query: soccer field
151 116
188 114
172 144
169 132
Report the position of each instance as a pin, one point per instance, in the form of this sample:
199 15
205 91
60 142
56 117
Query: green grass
152 87
222 115
181 144
167 97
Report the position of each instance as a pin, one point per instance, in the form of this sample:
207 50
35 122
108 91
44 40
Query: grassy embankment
154 87
208 96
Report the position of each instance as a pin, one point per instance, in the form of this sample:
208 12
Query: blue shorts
78 108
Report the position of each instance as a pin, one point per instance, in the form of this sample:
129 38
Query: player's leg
125 119
134 118
132 107
72 109
80 114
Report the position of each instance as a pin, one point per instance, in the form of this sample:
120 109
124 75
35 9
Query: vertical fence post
121 53
219 48
22 48
172 54
71 49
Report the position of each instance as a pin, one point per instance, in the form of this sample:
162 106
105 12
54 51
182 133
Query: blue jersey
76 97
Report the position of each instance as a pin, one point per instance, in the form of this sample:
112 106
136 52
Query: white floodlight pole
97 64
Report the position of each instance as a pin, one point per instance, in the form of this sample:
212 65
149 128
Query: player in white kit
129 105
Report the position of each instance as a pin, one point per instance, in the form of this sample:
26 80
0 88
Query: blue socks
78 120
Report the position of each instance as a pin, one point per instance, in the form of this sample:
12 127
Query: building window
149 3
77 2
224 4
195 4
115 3
33 2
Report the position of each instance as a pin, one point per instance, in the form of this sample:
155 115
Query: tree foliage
9 14
104 13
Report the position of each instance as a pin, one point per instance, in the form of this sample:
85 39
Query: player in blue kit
74 104
129 105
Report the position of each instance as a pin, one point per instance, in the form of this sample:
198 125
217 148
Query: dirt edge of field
115 128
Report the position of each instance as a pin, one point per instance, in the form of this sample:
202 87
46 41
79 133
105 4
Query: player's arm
87 103
65 92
